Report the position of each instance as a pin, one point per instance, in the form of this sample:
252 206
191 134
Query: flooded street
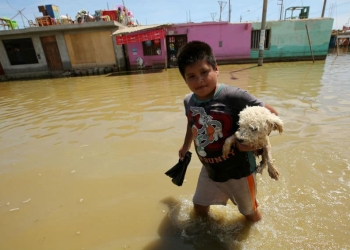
83 161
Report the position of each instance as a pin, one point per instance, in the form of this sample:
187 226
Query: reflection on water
83 161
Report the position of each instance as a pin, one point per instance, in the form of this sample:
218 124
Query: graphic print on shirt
210 130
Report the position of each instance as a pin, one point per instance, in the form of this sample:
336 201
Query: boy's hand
182 152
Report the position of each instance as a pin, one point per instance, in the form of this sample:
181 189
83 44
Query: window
152 48
20 51
255 39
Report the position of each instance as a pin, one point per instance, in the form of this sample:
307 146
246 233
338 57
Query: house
54 49
230 42
292 40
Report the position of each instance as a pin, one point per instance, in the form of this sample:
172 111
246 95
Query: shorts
242 192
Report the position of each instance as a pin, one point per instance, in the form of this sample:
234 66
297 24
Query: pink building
230 43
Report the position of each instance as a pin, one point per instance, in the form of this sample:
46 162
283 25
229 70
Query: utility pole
262 35
221 8
188 16
281 8
213 16
324 7
229 11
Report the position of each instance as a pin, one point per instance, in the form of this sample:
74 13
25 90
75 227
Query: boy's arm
187 142
272 110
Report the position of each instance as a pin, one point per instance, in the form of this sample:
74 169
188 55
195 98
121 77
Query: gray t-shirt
212 121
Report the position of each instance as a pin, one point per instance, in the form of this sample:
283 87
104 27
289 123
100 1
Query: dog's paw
227 146
259 170
273 172
226 150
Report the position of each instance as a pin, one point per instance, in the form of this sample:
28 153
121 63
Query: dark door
173 44
52 53
1 70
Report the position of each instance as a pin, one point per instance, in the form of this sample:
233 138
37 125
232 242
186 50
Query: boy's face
201 78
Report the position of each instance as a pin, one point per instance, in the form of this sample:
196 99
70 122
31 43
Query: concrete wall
289 38
61 43
119 55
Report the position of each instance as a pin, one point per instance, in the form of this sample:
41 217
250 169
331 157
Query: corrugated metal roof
128 30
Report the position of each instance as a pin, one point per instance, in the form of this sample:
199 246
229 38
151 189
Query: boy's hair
193 52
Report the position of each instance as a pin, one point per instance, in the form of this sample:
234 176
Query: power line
333 6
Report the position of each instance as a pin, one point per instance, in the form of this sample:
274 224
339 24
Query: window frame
20 51
152 49
255 39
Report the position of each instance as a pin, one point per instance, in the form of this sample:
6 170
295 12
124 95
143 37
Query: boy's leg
201 210
207 193
242 192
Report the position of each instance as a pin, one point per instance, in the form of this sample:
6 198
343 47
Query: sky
148 12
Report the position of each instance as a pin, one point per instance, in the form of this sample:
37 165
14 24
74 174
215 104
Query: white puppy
255 125
139 61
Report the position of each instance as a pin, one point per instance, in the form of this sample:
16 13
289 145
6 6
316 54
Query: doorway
1 70
52 53
173 44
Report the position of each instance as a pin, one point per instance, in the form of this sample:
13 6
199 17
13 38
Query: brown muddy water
83 161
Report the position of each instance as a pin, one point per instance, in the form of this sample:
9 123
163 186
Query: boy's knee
254 217
201 210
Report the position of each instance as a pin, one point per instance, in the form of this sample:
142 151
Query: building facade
53 50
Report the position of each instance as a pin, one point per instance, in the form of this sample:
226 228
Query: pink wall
235 39
147 60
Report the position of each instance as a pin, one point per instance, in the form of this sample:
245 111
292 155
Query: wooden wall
90 49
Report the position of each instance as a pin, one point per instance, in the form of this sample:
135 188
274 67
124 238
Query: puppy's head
139 59
255 124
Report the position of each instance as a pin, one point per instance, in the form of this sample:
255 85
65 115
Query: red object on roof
136 38
111 13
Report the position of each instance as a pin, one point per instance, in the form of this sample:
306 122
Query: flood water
82 162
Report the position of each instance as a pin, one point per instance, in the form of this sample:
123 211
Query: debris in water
26 201
14 209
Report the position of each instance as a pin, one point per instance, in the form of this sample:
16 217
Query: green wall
289 38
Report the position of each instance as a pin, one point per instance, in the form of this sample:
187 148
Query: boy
212 114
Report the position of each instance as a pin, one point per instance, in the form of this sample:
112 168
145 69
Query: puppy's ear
276 123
